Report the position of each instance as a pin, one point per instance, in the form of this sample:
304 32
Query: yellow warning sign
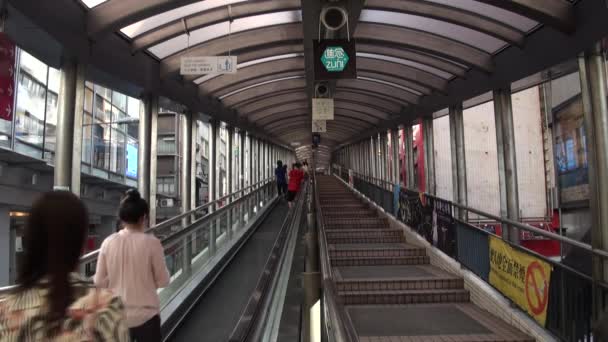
523 278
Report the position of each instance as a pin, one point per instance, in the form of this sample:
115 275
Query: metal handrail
510 222
333 310
92 256
178 218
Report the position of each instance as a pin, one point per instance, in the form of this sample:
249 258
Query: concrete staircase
384 282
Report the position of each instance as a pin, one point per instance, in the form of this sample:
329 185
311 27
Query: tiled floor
390 291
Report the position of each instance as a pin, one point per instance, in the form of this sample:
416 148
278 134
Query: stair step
334 221
388 251
363 232
373 261
426 283
350 214
376 239
404 296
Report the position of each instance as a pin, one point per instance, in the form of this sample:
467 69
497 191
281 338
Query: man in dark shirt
280 174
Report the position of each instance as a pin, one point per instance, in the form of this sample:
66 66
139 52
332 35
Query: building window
166 186
110 130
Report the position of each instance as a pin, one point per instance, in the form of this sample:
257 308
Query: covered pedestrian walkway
457 186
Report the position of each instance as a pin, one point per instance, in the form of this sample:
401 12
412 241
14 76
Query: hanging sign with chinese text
319 126
208 65
335 59
7 77
322 109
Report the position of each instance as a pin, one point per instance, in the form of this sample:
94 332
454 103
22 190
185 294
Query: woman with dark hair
132 264
52 303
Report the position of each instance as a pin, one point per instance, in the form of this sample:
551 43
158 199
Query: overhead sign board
208 65
335 59
322 109
319 126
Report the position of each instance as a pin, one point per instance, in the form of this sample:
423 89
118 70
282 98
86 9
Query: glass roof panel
92 3
204 34
390 84
158 20
259 84
413 64
250 63
506 17
438 27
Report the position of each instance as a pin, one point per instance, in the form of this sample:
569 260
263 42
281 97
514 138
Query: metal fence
574 298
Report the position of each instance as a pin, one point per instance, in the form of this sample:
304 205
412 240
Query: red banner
7 77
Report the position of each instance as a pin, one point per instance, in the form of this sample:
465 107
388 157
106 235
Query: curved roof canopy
413 56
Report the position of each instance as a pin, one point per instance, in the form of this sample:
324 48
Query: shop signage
335 59
7 77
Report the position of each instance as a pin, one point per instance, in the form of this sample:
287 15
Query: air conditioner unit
166 203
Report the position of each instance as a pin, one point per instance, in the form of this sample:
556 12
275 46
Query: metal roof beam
213 16
451 15
426 42
261 38
558 14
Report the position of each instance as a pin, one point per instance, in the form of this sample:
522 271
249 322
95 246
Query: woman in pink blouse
131 263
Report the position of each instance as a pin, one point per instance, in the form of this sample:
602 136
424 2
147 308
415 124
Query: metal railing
573 290
193 238
336 324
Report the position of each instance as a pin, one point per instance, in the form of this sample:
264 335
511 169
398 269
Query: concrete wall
529 151
483 189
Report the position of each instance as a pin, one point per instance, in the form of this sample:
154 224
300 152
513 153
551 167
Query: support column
459 176
242 180
504 114
69 127
395 154
193 155
230 172
409 157
186 185
7 253
213 140
148 110
373 155
593 82
429 155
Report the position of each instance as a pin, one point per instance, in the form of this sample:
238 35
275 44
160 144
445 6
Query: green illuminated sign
334 59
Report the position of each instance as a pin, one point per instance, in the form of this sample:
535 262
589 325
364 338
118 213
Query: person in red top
295 179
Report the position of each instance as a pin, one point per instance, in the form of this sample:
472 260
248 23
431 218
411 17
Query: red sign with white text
7 77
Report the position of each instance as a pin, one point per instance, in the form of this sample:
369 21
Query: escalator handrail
92 256
252 314
335 314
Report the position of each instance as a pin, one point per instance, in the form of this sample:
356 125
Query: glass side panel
52 108
438 27
204 34
413 64
31 105
506 17
156 21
